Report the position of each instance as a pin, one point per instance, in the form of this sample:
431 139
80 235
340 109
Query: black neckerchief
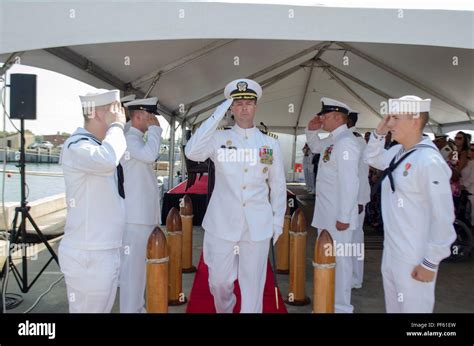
396 161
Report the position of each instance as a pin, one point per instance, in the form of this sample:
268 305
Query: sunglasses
458 138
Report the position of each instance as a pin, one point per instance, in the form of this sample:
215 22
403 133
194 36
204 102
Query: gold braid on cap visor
244 96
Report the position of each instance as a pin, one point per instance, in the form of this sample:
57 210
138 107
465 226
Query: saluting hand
422 274
316 123
382 128
341 226
153 120
115 114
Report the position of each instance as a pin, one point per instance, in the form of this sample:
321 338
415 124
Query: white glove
222 109
277 231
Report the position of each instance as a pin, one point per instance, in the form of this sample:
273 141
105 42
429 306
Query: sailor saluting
89 253
248 204
417 206
143 201
337 188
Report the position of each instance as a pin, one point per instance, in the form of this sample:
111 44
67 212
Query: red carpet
199 187
201 300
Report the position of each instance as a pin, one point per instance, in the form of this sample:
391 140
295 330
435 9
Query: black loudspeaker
23 96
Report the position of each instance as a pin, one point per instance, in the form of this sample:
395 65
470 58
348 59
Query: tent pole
303 99
171 153
351 91
404 77
263 71
293 159
9 62
181 62
363 84
355 79
95 70
183 134
183 165
356 95
152 85
266 83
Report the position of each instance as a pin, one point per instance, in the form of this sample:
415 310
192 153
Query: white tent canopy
185 52
190 50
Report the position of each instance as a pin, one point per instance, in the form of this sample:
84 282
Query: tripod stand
18 234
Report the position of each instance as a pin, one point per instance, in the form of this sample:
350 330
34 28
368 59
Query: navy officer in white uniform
417 206
123 101
337 189
362 199
142 205
89 253
248 203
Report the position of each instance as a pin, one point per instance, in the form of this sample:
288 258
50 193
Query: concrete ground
454 292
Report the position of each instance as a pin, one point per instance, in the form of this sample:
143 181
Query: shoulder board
273 135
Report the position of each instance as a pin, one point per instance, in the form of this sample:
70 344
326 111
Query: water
37 186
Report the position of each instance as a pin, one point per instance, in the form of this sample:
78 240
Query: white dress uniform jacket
141 186
419 215
95 211
127 126
247 207
243 183
89 253
418 221
142 214
363 198
337 188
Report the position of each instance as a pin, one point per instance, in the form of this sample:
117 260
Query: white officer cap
242 88
149 105
409 104
330 105
101 97
128 98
